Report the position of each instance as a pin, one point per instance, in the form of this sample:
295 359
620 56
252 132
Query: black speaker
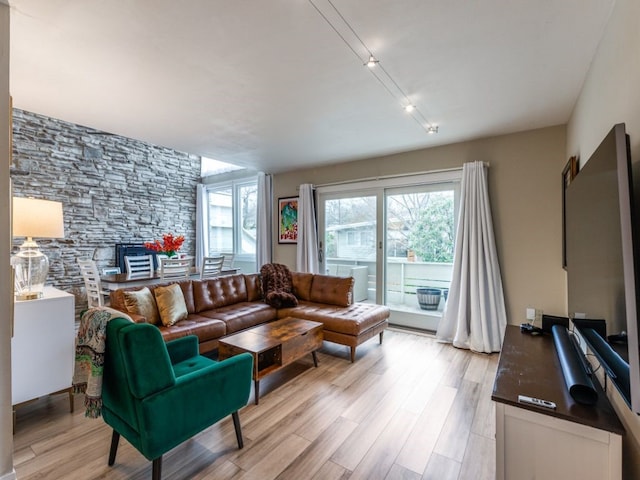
549 321
599 325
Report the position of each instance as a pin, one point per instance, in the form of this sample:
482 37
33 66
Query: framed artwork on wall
288 220
569 172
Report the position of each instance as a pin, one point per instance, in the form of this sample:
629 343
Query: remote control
536 401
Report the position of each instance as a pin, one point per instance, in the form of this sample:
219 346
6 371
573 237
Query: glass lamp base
28 295
30 267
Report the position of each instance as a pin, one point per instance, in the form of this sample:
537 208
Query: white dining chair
175 268
228 260
139 265
211 267
92 284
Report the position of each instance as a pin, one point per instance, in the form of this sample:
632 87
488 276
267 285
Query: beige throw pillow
141 302
171 304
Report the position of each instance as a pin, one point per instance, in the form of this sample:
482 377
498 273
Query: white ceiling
270 84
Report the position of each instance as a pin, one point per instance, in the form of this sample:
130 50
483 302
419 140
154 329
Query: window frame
235 185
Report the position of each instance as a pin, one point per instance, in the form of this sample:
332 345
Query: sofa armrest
182 348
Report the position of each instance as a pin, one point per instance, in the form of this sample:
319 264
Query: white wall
6 302
526 198
610 95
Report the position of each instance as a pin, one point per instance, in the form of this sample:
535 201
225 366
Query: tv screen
601 256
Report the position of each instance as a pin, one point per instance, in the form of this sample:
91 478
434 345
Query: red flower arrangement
169 246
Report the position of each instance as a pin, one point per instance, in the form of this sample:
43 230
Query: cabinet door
531 445
42 347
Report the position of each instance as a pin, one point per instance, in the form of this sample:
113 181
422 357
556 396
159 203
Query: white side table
43 346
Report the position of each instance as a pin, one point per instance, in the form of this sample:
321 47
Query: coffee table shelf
274 345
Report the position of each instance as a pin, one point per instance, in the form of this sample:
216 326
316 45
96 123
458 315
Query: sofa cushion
302 284
254 287
171 304
243 315
351 320
332 290
141 302
204 328
219 292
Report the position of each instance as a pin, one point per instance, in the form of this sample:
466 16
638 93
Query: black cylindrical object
578 382
613 363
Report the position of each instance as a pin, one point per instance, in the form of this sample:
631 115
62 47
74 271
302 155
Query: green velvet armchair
157 394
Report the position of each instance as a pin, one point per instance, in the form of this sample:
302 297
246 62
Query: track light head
372 62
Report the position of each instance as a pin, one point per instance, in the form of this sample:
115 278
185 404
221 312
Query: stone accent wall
113 190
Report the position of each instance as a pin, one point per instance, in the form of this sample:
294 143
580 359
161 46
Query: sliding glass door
395 240
348 240
419 238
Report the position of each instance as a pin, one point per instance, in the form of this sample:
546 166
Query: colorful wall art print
288 220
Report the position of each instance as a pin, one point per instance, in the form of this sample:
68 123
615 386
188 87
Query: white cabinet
533 445
572 441
43 345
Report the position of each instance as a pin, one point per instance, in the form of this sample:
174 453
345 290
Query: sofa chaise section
329 300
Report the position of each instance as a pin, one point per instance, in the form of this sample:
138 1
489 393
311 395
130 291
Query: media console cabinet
570 441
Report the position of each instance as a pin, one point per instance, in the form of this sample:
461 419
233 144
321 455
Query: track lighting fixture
354 42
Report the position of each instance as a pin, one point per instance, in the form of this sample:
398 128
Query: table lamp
33 218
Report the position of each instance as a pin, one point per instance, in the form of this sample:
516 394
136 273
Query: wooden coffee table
273 345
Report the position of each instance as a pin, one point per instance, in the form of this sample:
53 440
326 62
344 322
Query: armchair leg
236 425
115 438
381 334
156 468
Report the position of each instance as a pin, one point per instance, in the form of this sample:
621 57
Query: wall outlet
531 314
579 315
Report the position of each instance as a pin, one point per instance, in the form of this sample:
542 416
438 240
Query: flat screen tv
602 253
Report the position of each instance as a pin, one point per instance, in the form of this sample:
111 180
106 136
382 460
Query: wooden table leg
315 359
256 390
71 404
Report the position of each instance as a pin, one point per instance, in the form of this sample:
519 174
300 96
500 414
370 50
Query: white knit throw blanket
89 363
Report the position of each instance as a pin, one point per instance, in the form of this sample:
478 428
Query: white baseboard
9 476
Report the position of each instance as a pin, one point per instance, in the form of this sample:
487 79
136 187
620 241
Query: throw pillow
171 304
141 302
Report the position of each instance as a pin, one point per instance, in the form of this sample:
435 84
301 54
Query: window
209 166
232 218
402 229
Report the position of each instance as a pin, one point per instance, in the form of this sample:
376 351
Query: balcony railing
403 278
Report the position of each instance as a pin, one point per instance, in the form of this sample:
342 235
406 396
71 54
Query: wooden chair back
139 266
92 284
175 268
211 267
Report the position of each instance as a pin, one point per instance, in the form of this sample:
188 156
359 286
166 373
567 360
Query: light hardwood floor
410 408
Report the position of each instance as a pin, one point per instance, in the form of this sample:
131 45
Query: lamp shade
33 217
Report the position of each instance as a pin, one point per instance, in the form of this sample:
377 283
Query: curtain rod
399 175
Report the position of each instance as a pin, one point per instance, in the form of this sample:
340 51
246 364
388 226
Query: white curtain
202 220
475 316
307 255
264 238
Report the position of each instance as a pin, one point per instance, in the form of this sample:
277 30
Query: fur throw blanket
277 285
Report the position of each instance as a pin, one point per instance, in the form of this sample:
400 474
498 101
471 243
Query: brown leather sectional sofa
223 305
